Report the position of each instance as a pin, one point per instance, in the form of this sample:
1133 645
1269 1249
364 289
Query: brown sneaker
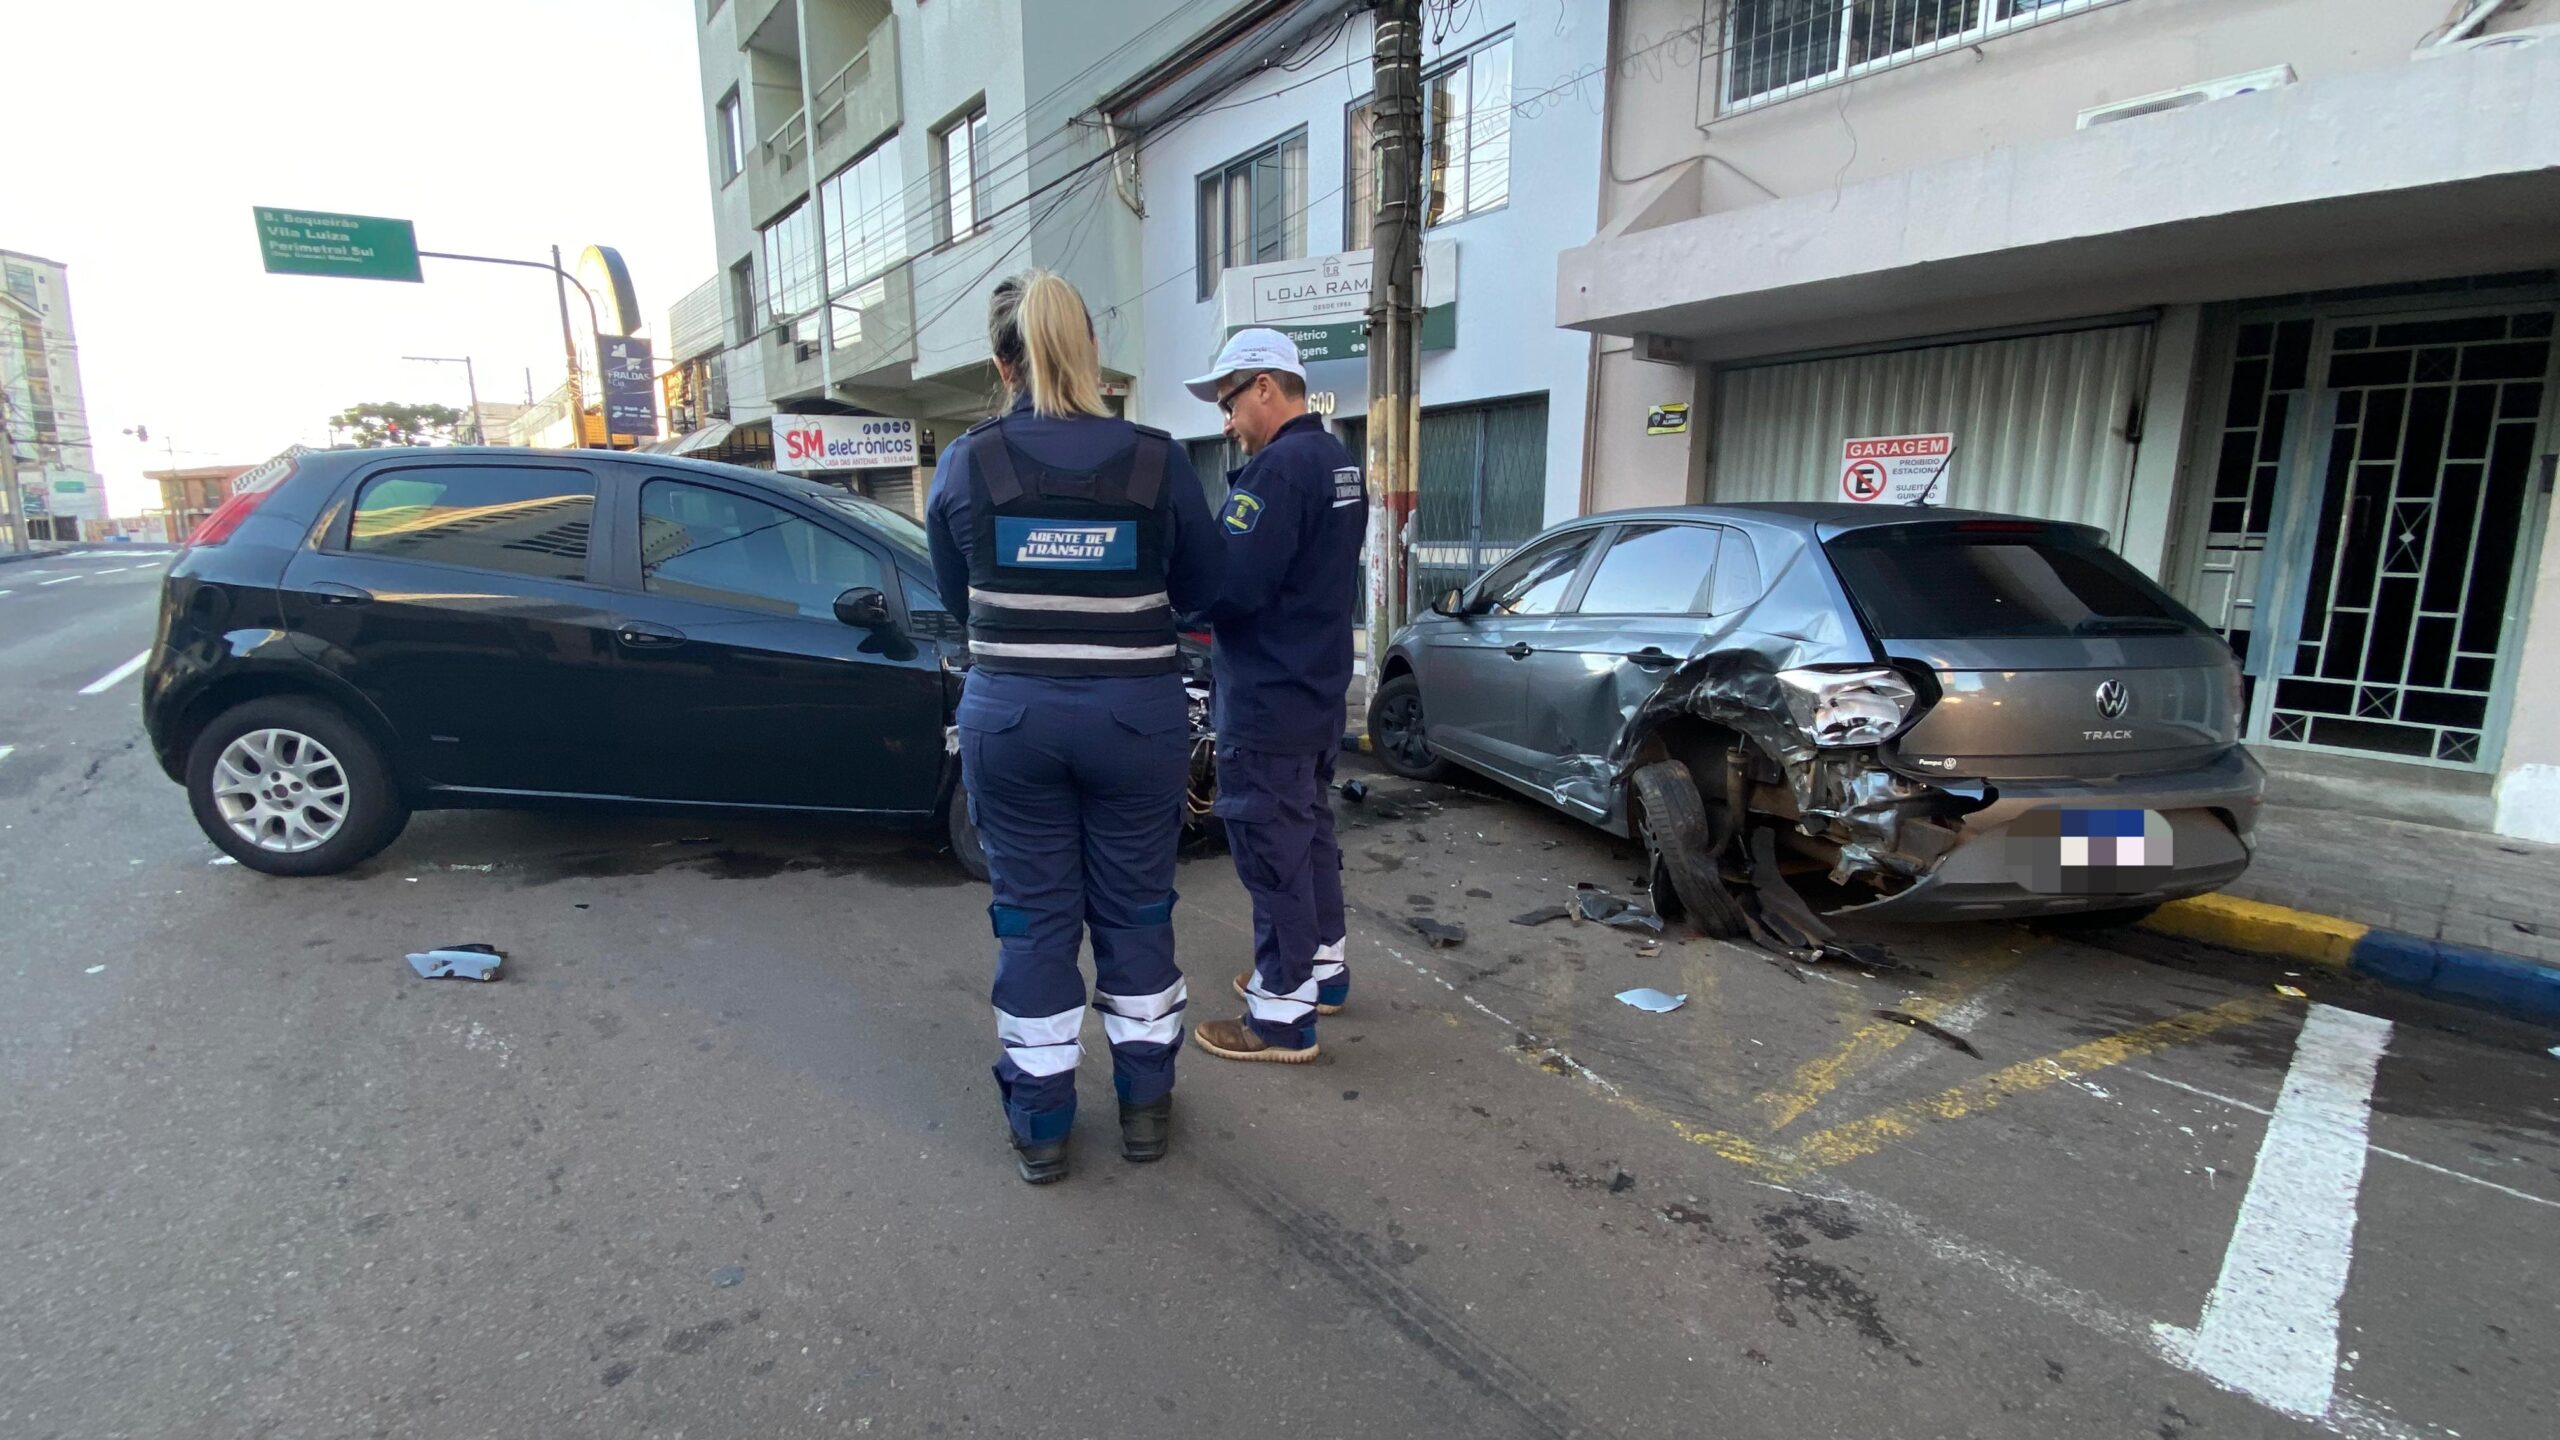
1235 1040
1247 978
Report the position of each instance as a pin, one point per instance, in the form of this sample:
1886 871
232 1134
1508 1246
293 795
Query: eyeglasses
1227 402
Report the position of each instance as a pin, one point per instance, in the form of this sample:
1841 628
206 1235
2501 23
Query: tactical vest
1067 568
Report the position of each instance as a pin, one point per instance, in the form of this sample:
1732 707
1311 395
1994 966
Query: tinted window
895 526
1655 570
517 518
1944 584
698 543
1534 581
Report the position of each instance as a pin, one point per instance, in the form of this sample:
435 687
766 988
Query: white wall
1508 343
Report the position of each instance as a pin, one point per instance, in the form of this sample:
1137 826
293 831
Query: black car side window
519 519
717 546
1656 569
1535 581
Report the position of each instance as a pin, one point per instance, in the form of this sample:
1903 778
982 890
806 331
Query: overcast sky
143 131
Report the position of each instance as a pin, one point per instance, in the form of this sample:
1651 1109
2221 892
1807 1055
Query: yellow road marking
1815 1079
1860 1138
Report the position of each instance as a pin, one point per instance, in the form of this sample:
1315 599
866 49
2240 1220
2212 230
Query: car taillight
217 527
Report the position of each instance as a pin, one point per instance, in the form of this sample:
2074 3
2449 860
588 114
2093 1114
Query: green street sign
321 242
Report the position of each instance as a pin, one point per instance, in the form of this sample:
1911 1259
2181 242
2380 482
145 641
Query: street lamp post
469 378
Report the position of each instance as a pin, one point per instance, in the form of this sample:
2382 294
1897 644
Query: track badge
1243 512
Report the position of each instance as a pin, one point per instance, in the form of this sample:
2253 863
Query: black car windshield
890 525
1948 582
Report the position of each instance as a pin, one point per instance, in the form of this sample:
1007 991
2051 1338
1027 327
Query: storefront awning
2411 171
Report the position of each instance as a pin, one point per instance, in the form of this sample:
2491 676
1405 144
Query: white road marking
2270 1328
112 570
115 677
7 750
65 580
8 592
2385 1151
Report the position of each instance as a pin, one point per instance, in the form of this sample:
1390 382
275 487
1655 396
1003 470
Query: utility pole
469 378
1395 320
9 480
569 342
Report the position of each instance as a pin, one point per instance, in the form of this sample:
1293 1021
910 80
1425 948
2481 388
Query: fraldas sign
844 442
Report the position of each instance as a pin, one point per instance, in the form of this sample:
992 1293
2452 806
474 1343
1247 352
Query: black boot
1042 1164
1146 1131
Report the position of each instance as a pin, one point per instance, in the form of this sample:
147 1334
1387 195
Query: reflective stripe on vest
1081 604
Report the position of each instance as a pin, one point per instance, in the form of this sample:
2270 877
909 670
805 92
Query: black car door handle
1519 650
1653 657
641 636
330 592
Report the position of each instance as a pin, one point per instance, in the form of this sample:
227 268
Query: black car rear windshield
1948 582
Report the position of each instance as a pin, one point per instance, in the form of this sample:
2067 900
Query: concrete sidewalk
2456 887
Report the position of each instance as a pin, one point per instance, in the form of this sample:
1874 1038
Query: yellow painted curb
2239 924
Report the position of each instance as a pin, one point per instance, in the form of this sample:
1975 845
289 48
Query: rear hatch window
1984 580
2052 657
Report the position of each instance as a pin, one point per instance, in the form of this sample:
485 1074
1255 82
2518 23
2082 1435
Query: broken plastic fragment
1355 791
1441 936
458 962
1648 998
1541 915
2293 992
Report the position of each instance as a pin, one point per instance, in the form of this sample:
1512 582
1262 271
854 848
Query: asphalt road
721 1156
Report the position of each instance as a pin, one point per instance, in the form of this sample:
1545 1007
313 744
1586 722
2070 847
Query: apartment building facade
878 166
1260 190
44 415
2265 290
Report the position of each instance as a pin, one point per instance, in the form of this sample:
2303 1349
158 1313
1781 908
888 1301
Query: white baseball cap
1253 349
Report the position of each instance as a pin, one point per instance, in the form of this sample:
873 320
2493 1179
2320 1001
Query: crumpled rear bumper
2212 811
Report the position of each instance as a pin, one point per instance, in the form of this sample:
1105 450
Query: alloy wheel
281 790
1401 721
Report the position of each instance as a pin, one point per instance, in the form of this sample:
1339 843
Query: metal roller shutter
2039 421
895 489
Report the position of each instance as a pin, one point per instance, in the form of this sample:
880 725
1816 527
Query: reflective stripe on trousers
1076 786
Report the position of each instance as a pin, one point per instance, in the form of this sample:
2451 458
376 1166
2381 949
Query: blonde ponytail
1038 326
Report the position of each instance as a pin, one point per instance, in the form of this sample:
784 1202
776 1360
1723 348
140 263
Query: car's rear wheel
1397 733
1671 822
289 786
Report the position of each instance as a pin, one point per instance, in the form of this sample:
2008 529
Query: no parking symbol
1895 469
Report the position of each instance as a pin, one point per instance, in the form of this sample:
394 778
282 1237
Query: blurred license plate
2090 852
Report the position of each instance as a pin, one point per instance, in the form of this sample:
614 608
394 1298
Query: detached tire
962 832
1398 734
1671 822
290 786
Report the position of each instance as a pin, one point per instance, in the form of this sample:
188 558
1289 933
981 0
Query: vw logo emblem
2113 699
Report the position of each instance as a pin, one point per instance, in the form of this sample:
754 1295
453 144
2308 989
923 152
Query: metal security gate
2044 425
1482 490
2368 533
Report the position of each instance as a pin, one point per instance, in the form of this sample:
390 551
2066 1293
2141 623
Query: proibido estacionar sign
1895 469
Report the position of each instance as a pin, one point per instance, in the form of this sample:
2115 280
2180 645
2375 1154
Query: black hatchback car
363 633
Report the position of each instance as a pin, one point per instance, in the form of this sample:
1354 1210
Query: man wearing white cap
1293 524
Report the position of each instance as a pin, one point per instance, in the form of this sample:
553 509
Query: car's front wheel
289 786
1397 733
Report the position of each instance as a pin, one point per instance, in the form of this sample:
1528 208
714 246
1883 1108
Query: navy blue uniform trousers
1279 818
1076 786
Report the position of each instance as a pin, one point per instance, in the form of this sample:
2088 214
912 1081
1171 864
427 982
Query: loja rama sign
844 442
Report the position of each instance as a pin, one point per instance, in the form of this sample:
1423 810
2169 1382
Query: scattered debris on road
1645 997
1355 791
2293 992
1541 915
216 860
1591 902
95 970
459 962
1931 1029
1441 935
728 1275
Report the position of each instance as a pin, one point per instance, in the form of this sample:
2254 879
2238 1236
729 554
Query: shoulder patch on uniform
1243 511
1348 489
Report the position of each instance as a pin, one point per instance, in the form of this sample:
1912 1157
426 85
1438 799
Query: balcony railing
831 95
788 145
